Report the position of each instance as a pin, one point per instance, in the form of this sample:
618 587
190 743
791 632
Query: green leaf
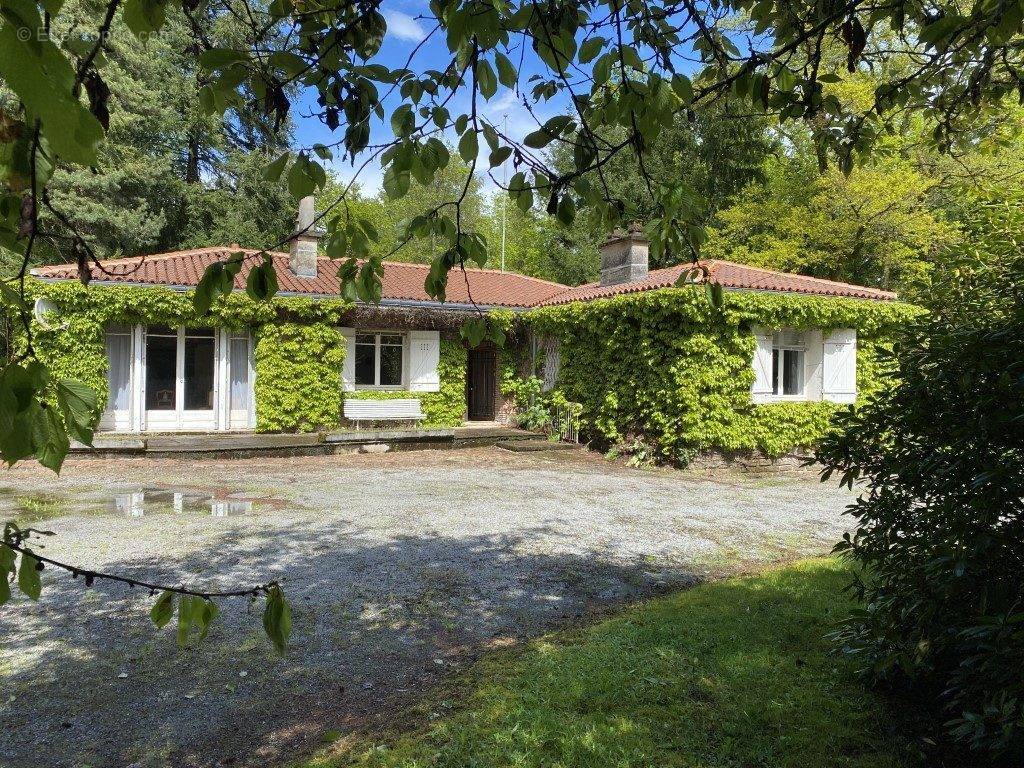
186 616
204 616
142 16
590 48
209 284
396 183
273 171
468 146
262 281
499 156
163 609
303 177
683 88
78 404
507 74
41 76
538 139
403 120
485 79
50 442
215 58
566 210
28 575
277 618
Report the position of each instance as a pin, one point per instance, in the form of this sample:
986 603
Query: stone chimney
624 257
303 253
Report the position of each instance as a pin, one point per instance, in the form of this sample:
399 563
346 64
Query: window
161 368
199 366
119 367
239 372
379 360
788 352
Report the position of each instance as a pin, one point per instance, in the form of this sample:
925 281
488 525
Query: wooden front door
480 384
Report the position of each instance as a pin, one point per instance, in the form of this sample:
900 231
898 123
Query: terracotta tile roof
488 287
401 281
728 275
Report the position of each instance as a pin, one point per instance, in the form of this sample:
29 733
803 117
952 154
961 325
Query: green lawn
736 673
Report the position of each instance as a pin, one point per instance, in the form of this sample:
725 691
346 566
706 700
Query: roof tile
487 287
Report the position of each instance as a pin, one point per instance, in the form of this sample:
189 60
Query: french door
181 389
164 379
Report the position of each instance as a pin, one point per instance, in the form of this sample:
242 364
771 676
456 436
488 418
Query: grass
731 674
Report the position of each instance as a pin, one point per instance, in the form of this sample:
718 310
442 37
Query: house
309 360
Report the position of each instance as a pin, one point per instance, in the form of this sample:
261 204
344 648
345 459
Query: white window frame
779 348
377 386
122 420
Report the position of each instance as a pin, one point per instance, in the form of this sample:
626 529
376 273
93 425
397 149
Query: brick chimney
303 253
624 257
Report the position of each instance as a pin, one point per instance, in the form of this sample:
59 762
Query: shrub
940 528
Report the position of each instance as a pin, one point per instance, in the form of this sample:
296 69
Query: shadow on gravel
90 682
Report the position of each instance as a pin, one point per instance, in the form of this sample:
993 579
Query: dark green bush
940 527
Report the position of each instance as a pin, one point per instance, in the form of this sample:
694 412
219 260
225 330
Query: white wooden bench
383 410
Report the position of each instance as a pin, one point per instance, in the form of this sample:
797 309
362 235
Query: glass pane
364 363
239 374
775 371
390 365
161 330
205 333
390 339
793 372
161 367
198 374
363 338
119 371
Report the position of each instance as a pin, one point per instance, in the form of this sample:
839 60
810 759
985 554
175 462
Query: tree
873 227
939 527
714 151
166 174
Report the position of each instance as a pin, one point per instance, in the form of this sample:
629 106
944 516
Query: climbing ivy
298 376
298 354
298 351
672 370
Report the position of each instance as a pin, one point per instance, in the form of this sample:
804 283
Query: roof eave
397 303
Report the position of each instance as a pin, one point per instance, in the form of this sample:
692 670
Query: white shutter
839 366
761 391
424 356
348 368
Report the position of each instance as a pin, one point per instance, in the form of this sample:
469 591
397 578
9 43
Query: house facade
308 360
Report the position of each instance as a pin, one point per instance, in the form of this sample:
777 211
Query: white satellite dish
46 312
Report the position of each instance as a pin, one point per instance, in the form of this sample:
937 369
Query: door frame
485 350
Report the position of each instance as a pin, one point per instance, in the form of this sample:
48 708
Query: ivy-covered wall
668 368
445 408
298 351
298 376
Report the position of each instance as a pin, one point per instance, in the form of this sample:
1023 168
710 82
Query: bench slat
383 409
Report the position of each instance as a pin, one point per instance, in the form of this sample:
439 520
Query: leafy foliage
298 376
872 227
940 524
668 368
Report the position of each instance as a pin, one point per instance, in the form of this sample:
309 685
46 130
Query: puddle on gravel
32 508
142 503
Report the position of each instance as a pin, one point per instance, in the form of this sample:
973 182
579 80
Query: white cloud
404 27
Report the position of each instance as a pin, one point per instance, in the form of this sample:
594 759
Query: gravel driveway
401 568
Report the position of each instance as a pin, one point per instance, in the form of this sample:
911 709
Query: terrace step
529 446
